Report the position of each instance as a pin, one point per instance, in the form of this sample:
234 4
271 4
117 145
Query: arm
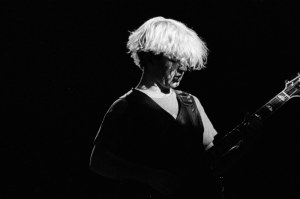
111 142
239 143
209 130
107 164
111 166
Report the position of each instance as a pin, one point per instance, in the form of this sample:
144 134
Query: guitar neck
224 144
273 105
262 114
232 140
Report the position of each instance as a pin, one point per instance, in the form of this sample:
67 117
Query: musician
153 139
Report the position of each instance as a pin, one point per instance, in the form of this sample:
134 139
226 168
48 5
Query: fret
273 105
224 145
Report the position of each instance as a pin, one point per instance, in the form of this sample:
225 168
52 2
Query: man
154 138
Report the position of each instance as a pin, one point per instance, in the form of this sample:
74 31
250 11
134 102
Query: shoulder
129 101
188 96
120 105
198 104
185 96
182 93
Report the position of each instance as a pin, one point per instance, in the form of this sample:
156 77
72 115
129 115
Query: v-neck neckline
161 108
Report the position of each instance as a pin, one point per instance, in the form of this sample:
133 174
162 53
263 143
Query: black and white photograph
150 99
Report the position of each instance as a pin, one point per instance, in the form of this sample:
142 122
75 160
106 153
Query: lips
177 78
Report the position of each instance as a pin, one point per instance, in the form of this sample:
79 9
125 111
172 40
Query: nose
182 69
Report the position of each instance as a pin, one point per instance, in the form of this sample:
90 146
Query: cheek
170 74
170 71
173 73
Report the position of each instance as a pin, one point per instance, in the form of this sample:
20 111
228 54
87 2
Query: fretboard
273 105
230 140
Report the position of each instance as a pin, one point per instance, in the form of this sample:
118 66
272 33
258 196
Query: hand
164 182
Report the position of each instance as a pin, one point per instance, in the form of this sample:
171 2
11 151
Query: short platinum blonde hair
170 38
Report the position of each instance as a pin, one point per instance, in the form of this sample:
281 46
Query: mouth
177 78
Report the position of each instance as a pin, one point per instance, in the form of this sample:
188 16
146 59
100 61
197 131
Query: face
170 73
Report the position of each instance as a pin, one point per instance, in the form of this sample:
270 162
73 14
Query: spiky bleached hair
170 38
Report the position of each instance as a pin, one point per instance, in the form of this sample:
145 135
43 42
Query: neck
154 89
150 84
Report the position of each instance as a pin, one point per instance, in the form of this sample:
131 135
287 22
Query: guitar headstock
292 87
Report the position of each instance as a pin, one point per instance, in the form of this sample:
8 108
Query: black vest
172 140
153 138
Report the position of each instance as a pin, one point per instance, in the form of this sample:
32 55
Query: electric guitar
232 140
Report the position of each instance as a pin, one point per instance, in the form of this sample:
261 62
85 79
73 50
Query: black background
64 63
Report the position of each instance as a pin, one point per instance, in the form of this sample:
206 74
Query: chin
174 85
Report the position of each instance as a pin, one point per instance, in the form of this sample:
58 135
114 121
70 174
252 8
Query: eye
174 61
182 67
